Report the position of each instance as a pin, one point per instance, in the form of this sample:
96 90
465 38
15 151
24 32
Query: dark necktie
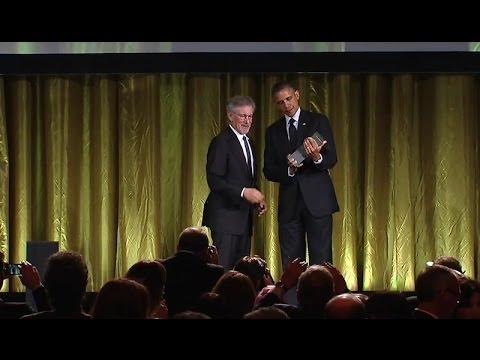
292 131
247 150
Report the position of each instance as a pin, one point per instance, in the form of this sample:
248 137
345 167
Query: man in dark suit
192 271
307 197
231 163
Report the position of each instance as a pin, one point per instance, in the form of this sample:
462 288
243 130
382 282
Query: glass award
300 155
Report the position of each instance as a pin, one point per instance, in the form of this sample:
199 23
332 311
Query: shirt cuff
243 190
319 160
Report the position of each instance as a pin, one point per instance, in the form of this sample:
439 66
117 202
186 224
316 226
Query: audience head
450 262
388 305
256 269
190 315
121 299
195 240
345 306
211 304
269 312
315 288
438 290
469 304
237 291
66 277
152 275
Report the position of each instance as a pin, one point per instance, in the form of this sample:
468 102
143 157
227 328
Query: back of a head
121 299
237 291
269 312
450 262
191 315
345 306
211 304
388 305
315 287
66 277
254 267
193 239
151 274
431 280
469 304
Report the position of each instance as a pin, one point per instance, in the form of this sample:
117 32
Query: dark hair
193 239
152 275
254 267
121 299
279 86
450 262
66 277
467 288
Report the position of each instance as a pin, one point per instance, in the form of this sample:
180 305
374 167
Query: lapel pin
304 124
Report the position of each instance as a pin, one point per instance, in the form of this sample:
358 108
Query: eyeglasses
244 116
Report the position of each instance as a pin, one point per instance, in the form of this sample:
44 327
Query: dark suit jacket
312 180
14 310
188 277
227 174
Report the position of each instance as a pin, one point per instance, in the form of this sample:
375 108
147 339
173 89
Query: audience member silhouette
256 269
151 274
66 277
450 262
212 304
237 291
191 271
438 293
191 315
122 299
345 306
269 312
388 305
469 304
315 288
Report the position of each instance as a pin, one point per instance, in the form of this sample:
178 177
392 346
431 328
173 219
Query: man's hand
312 148
253 196
30 276
261 207
293 165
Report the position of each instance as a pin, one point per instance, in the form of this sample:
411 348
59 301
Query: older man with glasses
231 176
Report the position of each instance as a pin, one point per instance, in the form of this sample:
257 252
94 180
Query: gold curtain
113 166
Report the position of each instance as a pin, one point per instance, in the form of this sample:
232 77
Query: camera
11 269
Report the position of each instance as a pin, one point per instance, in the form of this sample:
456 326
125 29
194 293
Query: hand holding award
300 155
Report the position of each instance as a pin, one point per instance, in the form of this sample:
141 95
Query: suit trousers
231 248
303 231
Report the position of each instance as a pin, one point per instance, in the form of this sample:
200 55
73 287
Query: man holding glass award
299 153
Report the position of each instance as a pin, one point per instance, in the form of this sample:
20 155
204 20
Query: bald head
345 306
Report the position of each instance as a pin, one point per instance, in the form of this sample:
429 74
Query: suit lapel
238 151
303 127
